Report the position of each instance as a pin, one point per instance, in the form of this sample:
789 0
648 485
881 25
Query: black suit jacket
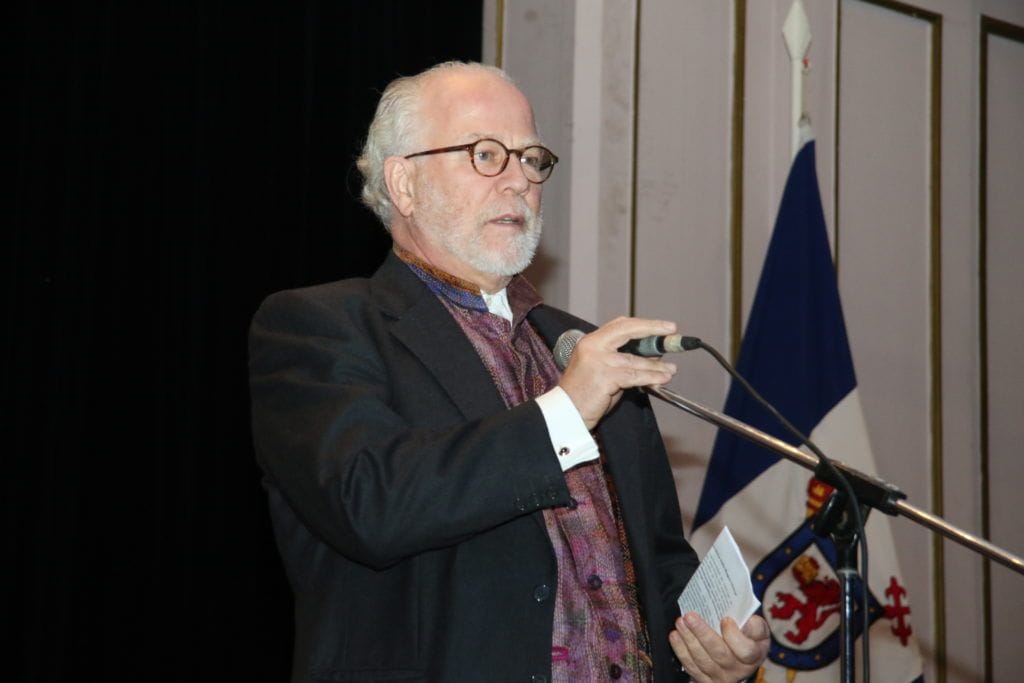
406 499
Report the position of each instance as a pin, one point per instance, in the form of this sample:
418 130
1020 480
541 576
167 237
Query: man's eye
537 159
484 155
533 161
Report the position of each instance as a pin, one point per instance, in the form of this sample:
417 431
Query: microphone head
565 346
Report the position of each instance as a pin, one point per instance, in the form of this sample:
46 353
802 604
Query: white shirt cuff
570 438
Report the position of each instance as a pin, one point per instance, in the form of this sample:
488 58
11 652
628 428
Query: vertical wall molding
983 464
938 495
634 162
736 177
835 131
499 34
990 26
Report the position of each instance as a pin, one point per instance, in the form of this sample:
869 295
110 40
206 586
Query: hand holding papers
721 586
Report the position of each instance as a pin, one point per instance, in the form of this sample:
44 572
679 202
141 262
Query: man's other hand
727 658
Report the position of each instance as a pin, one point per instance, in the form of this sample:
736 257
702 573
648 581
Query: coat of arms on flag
796 354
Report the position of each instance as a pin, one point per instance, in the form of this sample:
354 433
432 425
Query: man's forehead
473 136
465 80
473 104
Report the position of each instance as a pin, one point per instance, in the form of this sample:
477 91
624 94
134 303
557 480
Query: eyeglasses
490 157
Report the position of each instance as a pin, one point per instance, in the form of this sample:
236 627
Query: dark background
169 164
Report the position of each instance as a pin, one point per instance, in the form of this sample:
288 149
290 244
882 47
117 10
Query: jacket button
538 679
541 592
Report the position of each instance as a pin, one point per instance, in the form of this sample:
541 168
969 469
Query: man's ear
398 178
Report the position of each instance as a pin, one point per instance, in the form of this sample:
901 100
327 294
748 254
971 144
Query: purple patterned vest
598 632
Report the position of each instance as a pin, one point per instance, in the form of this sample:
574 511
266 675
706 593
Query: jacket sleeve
376 482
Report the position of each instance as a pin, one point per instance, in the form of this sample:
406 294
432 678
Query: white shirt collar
497 303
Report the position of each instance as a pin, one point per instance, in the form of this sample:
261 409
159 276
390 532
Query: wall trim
935 293
739 57
988 26
499 34
635 162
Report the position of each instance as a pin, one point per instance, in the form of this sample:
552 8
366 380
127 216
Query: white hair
395 130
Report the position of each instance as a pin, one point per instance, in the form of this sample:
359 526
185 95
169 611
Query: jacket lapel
427 329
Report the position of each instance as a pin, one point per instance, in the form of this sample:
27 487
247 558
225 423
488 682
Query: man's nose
513 176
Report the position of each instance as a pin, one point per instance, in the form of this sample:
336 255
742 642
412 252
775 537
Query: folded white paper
721 586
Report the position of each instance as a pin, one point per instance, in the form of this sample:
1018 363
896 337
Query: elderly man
449 506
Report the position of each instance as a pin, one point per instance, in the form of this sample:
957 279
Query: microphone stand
870 492
833 521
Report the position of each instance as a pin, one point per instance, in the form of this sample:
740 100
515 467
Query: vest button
615 671
594 581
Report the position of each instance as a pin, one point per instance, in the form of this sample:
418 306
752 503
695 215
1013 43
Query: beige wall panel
682 214
961 611
538 51
576 62
884 245
613 137
1005 324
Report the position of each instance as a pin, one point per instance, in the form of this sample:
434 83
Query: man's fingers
614 334
748 646
692 633
642 371
711 644
621 371
756 628
640 363
675 640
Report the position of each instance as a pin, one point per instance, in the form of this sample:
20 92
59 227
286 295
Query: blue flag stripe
795 350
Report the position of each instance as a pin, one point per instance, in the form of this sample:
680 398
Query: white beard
464 236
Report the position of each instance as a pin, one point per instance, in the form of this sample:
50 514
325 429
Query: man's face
478 228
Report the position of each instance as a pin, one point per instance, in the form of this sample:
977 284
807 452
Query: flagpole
870 490
796 30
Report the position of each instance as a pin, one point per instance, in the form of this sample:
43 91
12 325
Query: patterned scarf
598 632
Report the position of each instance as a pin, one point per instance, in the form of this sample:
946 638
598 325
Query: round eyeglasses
490 157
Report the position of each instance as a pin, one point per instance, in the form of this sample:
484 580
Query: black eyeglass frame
469 148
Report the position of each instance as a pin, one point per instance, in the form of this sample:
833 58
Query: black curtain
169 165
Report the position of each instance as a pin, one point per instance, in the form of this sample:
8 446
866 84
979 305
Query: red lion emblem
821 600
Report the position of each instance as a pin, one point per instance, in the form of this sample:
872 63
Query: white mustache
521 209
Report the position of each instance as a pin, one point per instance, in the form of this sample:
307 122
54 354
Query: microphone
659 345
653 346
